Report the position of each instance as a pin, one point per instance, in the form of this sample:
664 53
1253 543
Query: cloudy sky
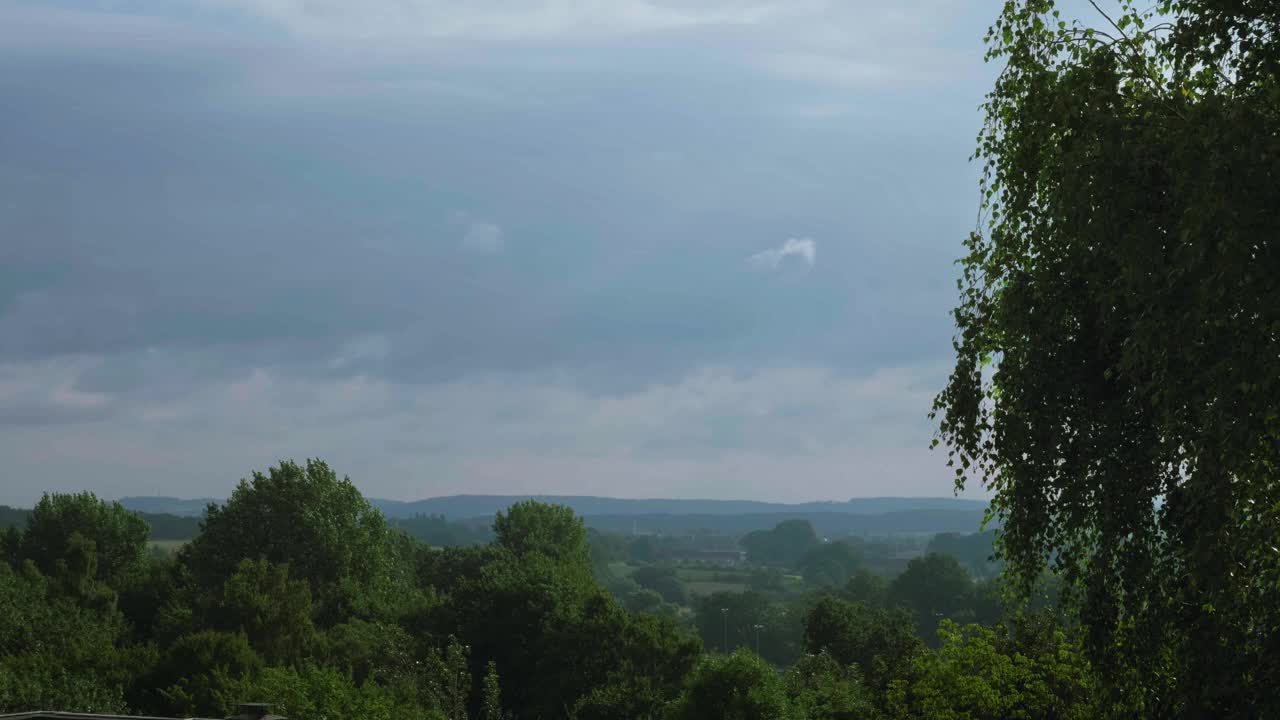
680 248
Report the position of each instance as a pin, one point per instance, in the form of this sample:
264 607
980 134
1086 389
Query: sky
637 248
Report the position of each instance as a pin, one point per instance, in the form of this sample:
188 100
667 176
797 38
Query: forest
298 592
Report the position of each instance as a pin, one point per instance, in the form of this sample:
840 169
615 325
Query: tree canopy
1118 351
306 517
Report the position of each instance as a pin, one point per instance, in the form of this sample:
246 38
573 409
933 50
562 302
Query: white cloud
803 248
483 238
785 434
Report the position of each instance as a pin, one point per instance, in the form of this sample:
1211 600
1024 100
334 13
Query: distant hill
167 505
877 514
471 506
832 524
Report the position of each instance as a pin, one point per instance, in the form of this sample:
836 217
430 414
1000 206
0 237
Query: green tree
308 519
733 617
639 668
983 673
821 688
55 652
865 587
146 593
933 587
312 692
198 675
1118 346
882 643
69 531
785 544
450 678
552 530
643 600
641 550
974 550
271 610
530 602
740 686
491 695
663 581
829 564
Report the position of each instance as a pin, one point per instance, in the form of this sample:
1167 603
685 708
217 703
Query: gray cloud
197 198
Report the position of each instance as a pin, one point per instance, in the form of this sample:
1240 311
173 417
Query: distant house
704 557
247 711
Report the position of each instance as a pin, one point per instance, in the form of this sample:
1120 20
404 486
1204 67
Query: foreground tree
63 530
881 643
54 652
1117 382
305 517
740 686
996 674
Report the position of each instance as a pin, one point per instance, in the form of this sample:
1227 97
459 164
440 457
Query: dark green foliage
439 531
55 652
171 527
932 588
740 686
364 649
822 688
865 587
766 580
145 593
732 617
976 551
310 692
12 517
636 671
785 544
308 519
882 643
663 581
65 533
198 675
1118 347
998 674
641 550
549 530
427 636
643 600
491 695
261 602
829 564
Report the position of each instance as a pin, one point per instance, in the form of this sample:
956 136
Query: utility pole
758 628
724 615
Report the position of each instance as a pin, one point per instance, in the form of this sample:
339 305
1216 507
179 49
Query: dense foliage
1118 358
298 592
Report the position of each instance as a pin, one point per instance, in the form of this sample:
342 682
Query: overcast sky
678 248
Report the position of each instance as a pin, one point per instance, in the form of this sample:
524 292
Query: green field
166 546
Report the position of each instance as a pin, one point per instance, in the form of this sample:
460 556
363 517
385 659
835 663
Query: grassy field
713 579
706 587
167 547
